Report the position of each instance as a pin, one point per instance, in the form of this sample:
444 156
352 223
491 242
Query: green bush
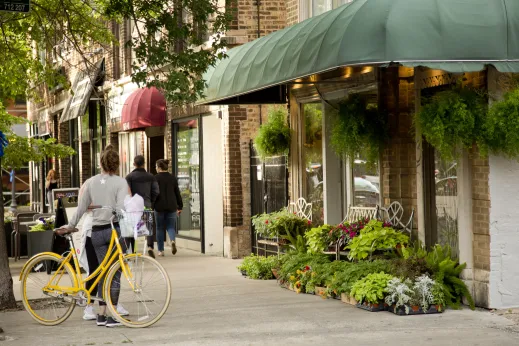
375 237
259 267
372 288
446 273
273 136
343 280
290 263
323 273
317 239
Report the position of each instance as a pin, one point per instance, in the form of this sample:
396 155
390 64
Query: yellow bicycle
52 285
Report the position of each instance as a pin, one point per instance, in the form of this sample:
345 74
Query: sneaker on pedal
173 248
111 322
122 311
89 314
101 320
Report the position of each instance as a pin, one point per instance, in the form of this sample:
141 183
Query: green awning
454 35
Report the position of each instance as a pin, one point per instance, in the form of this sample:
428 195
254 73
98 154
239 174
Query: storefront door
187 167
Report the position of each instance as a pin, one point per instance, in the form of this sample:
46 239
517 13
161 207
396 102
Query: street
213 304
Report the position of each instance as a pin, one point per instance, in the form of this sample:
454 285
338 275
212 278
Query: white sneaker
89 314
121 310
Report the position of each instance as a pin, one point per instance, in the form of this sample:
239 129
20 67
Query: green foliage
446 272
501 127
259 267
375 237
290 263
400 293
372 288
412 264
44 224
358 129
323 273
452 118
285 225
343 280
273 137
317 239
166 42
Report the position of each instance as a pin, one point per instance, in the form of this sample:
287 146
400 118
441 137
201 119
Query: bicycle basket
136 224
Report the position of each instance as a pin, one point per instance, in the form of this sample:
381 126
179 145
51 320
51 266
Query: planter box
38 242
346 298
371 307
415 310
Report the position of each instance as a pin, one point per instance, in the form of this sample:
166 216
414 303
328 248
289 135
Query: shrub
372 288
259 267
343 280
375 236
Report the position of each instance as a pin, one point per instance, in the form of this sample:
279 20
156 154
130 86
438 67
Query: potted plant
258 267
400 297
41 236
371 290
273 136
317 239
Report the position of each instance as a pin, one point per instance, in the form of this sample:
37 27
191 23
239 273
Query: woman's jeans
168 221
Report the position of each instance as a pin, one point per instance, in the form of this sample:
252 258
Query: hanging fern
358 129
501 127
274 136
452 118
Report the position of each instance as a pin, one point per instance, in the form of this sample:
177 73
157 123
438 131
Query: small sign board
69 198
15 6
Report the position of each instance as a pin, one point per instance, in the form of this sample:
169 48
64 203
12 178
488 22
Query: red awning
145 107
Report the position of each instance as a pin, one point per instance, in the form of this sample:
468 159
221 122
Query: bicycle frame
100 272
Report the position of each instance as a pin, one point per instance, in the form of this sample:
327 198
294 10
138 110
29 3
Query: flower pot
275 273
38 242
371 307
321 291
415 310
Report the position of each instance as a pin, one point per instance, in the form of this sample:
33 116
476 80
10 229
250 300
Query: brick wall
64 164
398 164
480 211
292 7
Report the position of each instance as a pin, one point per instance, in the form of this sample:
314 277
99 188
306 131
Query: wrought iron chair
394 214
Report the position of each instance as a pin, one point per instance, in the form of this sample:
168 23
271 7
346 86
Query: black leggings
93 264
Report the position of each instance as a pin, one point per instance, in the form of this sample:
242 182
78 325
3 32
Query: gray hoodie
101 190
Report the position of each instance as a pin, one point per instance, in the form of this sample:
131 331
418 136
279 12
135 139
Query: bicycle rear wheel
145 294
40 289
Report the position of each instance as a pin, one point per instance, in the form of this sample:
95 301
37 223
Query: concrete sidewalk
213 304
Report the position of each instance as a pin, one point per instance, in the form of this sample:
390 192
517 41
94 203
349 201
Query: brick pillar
64 164
85 166
398 163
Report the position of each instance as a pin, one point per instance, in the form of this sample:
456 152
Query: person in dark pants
145 185
167 207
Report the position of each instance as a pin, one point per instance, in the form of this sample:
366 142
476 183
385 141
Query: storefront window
312 8
366 185
446 198
130 145
188 175
313 160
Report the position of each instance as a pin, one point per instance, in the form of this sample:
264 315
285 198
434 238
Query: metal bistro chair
18 230
355 214
394 214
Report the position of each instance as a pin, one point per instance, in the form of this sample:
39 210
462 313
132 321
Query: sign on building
15 6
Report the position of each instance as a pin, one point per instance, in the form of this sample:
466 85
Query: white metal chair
394 214
302 208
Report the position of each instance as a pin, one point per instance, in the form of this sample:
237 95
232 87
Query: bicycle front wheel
43 286
143 295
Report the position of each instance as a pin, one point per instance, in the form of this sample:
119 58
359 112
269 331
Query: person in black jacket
167 206
145 185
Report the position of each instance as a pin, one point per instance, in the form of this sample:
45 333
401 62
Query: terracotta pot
275 273
415 308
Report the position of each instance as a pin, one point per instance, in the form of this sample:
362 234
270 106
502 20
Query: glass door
188 171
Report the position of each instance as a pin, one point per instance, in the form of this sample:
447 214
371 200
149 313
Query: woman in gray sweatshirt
110 190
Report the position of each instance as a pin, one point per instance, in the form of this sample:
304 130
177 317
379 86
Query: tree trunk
7 300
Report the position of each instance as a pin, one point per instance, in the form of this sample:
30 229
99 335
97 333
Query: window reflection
188 175
366 185
313 159
446 188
